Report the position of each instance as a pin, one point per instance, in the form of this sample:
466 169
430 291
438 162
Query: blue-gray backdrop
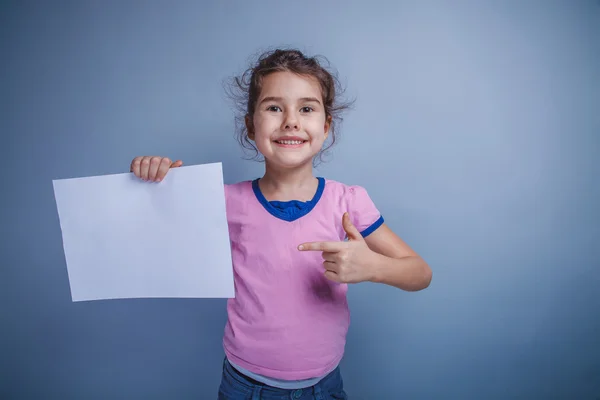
476 131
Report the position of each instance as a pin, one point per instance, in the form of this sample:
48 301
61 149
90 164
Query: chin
290 163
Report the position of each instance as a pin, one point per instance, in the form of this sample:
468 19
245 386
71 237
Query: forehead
289 85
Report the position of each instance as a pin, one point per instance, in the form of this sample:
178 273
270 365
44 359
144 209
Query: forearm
407 273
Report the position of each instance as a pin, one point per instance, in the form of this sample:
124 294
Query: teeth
290 141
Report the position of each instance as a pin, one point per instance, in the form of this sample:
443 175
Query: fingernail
300 247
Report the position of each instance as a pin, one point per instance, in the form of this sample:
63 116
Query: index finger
321 246
135 166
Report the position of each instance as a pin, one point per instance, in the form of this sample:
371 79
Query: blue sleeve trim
373 227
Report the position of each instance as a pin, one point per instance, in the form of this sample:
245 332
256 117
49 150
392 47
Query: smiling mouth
291 142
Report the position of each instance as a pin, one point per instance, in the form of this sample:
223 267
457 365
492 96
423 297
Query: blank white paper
126 238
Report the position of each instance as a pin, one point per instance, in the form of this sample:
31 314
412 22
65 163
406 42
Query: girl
297 240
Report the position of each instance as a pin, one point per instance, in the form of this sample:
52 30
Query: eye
306 109
273 108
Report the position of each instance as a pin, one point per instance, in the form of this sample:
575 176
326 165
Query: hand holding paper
152 168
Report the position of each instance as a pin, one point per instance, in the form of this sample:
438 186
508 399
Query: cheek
317 128
263 127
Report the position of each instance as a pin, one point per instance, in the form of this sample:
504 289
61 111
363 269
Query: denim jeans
236 386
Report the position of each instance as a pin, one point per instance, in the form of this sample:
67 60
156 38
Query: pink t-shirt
287 321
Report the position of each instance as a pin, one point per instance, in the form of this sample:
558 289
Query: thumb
176 164
351 231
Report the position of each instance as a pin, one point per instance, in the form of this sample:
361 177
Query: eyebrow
280 99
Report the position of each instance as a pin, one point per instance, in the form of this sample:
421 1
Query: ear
249 127
327 126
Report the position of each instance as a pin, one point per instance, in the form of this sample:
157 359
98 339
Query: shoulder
355 200
237 188
344 191
238 193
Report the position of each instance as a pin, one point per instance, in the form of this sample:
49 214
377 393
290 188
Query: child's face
289 124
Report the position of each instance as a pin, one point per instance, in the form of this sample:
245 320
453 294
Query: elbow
428 275
425 277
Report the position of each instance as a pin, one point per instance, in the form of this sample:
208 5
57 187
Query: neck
292 180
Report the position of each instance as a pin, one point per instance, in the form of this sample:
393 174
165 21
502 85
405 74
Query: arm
394 263
380 257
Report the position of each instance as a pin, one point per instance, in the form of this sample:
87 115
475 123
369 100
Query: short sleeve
363 213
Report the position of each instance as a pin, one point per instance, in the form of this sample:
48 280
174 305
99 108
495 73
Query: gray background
475 131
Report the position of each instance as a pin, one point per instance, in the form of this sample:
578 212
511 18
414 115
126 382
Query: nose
291 122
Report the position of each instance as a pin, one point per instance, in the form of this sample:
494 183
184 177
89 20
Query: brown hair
245 89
